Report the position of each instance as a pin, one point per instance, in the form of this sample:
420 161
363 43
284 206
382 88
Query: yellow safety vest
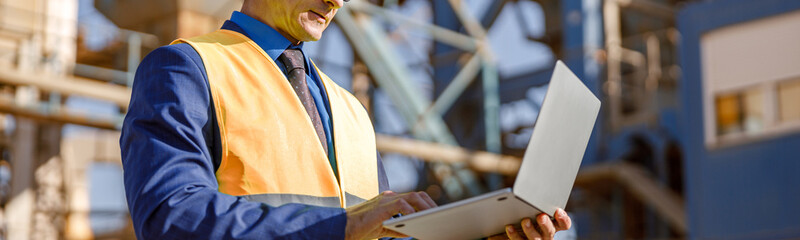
270 150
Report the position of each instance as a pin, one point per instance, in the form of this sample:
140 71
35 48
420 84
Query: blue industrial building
747 189
740 185
727 153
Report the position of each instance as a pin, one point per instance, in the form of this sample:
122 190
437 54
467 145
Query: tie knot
292 59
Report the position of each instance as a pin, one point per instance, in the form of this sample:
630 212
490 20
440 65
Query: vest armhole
214 144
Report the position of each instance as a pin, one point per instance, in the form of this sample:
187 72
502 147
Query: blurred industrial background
698 137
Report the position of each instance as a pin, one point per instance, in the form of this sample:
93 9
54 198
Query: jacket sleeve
383 181
169 175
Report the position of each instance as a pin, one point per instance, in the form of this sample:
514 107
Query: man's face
303 20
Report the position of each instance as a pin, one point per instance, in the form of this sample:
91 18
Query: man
236 134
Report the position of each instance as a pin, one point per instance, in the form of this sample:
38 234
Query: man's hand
365 220
546 227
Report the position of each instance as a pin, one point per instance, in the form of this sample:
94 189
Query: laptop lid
559 139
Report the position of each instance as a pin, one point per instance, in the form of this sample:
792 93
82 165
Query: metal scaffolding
35 97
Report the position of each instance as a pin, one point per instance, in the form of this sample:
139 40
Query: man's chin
304 32
309 37
311 33
313 39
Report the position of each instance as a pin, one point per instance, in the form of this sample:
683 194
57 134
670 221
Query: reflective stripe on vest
270 150
278 199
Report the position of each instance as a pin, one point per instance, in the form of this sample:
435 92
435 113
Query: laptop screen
560 136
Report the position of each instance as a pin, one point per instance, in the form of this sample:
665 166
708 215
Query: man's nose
335 3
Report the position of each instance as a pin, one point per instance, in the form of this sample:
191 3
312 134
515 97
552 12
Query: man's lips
320 15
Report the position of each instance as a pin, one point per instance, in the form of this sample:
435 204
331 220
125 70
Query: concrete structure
169 19
36 36
48 189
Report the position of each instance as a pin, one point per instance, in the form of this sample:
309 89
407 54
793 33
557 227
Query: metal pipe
435 126
474 28
490 79
491 108
611 22
471 24
639 62
435 152
59 115
491 102
371 46
446 99
491 95
668 205
654 71
665 202
441 34
69 86
634 58
363 48
101 73
145 39
649 7
634 179
134 56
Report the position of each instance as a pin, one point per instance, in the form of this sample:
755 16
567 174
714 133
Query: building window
789 101
741 112
751 82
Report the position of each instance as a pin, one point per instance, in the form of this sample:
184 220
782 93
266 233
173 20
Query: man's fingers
388 193
416 200
548 230
530 231
401 206
563 220
512 233
428 199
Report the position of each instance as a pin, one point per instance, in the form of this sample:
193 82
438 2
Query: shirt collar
269 39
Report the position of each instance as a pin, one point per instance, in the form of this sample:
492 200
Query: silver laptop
545 178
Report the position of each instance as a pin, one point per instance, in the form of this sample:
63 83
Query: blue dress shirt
170 147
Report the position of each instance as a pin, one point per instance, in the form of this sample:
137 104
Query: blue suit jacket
171 150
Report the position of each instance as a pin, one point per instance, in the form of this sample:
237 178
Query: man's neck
252 13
